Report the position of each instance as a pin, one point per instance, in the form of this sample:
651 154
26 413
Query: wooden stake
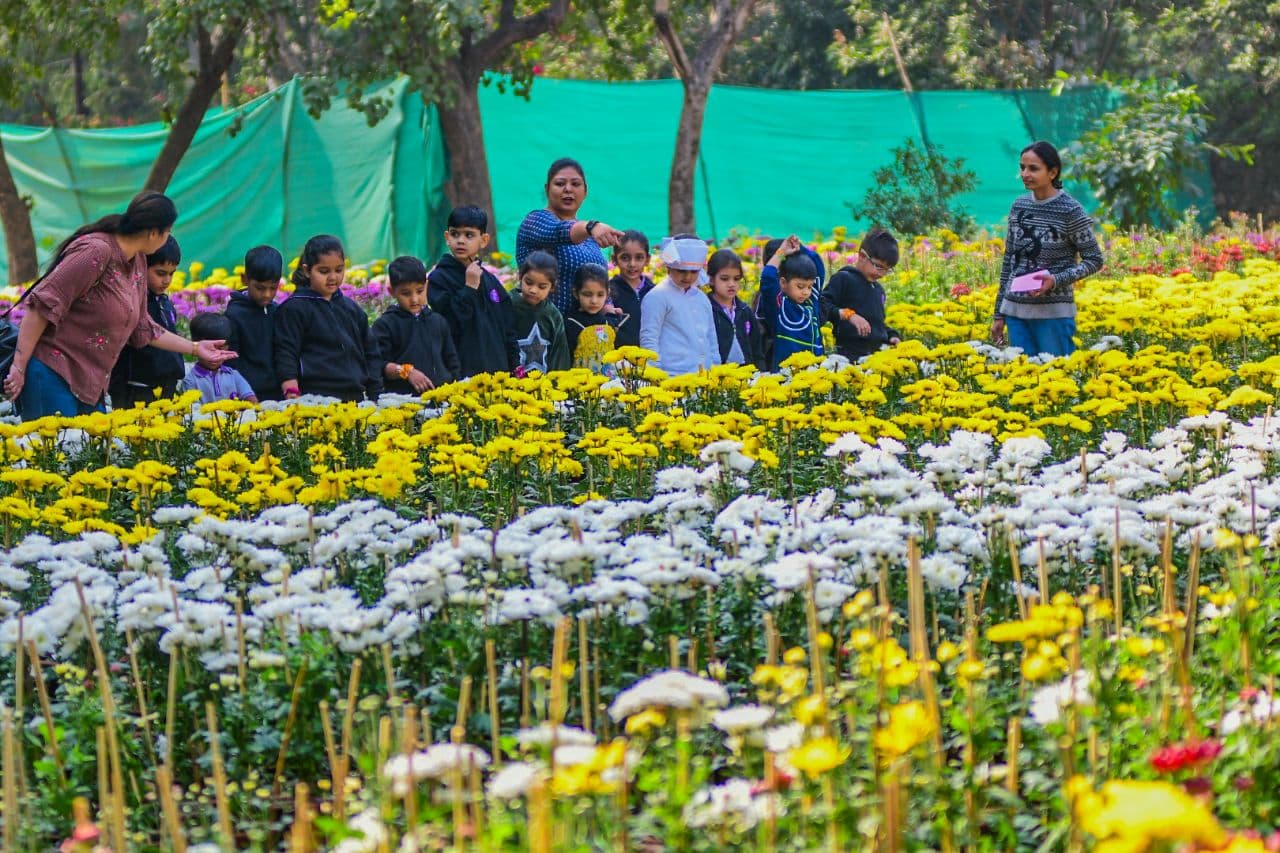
277 776
300 833
12 817
409 745
219 781
1042 570
353 684
42 693
104 784
1193 600
171 706
173 824
242 658
19 700
1016 565
392 698
1117 597
495 716
771 641
559 651
1011 752
331 751
584 673
109 719
138 691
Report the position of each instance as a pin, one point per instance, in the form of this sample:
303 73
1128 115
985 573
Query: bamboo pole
584 673
277 776
219 781
109 719
42 693
12 817
495 718
173 824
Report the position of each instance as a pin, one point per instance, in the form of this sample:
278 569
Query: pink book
1027 283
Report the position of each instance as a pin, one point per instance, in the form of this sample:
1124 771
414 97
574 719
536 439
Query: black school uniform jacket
150 367
851 289
481 320
325 344
748 328
425 341
626 297
252 338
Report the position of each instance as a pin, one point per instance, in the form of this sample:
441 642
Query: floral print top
96 302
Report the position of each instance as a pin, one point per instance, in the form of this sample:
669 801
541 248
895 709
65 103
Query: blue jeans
47 393
1036 336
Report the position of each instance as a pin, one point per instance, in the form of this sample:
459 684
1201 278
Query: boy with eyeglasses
855 300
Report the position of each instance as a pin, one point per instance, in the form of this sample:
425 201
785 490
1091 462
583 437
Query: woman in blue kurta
557 229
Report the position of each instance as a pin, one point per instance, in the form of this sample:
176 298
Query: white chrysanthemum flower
744 718
792 571
514 780
783 738
668 689
373 834
543 735
1048 703
438 761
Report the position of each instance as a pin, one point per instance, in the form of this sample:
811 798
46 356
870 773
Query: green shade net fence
772 162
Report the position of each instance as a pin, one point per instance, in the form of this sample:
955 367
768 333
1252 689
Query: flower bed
945 598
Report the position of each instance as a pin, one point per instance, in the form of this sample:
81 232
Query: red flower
1180 756
958 290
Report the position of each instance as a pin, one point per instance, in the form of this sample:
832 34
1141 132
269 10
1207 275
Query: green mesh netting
772 161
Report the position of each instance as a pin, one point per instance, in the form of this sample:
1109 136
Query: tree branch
512 30
731 18
671 40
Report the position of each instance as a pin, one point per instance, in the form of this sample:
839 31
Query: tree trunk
684 165
77 84
463 132
19 240
183 131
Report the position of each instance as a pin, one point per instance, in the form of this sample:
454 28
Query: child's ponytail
321 244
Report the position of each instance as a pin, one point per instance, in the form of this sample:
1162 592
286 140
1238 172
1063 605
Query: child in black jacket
322 340
252 314
472 299
139 373
739 331
414 341
855 300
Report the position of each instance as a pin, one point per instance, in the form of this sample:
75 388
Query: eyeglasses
883 269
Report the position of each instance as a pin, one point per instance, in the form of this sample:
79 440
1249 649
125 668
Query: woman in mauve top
557 230
87 307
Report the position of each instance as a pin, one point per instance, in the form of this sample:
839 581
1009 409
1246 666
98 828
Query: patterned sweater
1055 235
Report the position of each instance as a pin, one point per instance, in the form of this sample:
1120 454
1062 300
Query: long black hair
1049 156
321 244
149 211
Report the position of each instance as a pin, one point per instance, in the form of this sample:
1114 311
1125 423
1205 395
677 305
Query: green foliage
946 43
914 195
1137 157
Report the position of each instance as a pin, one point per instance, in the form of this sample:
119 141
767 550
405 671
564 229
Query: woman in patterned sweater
557 230
1050 236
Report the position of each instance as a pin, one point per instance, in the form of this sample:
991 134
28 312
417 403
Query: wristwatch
591 226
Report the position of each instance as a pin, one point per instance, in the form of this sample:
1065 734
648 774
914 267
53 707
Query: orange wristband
405 370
